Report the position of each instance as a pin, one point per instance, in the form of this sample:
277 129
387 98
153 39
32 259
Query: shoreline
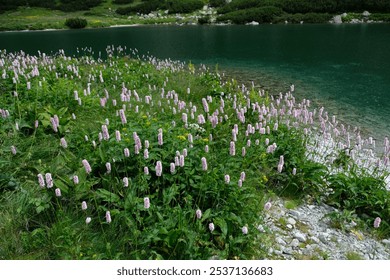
124 25
176 24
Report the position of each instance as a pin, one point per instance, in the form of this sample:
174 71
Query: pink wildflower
106 135
172 166
232 148
242 176
267 206
146 202
49 180
86 166
227 179
41 180
118 135
126 152
75 179
63 143
211 227
160 137
377 222
125 181
198 214
158 168
244 230
58 192
84 205
123 116
204 163
108 217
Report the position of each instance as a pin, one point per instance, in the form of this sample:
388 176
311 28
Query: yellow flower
147 123
124 129
127 140
205 139
181 137
265 179
144 116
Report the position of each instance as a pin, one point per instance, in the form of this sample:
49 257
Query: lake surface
345 68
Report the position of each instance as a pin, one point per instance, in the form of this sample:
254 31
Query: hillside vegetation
52 14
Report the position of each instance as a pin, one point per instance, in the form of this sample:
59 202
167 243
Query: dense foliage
314 6
173 6
319 11
119 2
76 23
147 159
260 15
65 5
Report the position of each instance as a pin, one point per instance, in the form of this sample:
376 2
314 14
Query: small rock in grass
300 236
294 243
291 221
280 241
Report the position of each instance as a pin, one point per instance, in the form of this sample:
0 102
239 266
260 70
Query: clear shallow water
345 68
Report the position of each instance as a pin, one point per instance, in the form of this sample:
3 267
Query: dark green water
345 68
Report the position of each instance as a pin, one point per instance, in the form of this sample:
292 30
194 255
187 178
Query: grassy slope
105 16
39 18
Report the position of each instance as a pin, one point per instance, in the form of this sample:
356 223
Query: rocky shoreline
306 233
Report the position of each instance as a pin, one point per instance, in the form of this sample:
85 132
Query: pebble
291 221
386 242
294 213
280 241
300 236
294 243
323 237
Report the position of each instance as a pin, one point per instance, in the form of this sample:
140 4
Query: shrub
204 20
180 6
217 3
120 2
76 23
261 15
143 8
77 5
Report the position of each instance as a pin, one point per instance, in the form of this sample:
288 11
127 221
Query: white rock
366 13
337 19
291 221
300 236
295 214
323 237
278 252
289 226
280 241
386 242
294 243
315 239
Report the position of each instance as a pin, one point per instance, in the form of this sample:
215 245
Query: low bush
76 23
181 6
120 2
143 8
204 20
261 15
217 3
